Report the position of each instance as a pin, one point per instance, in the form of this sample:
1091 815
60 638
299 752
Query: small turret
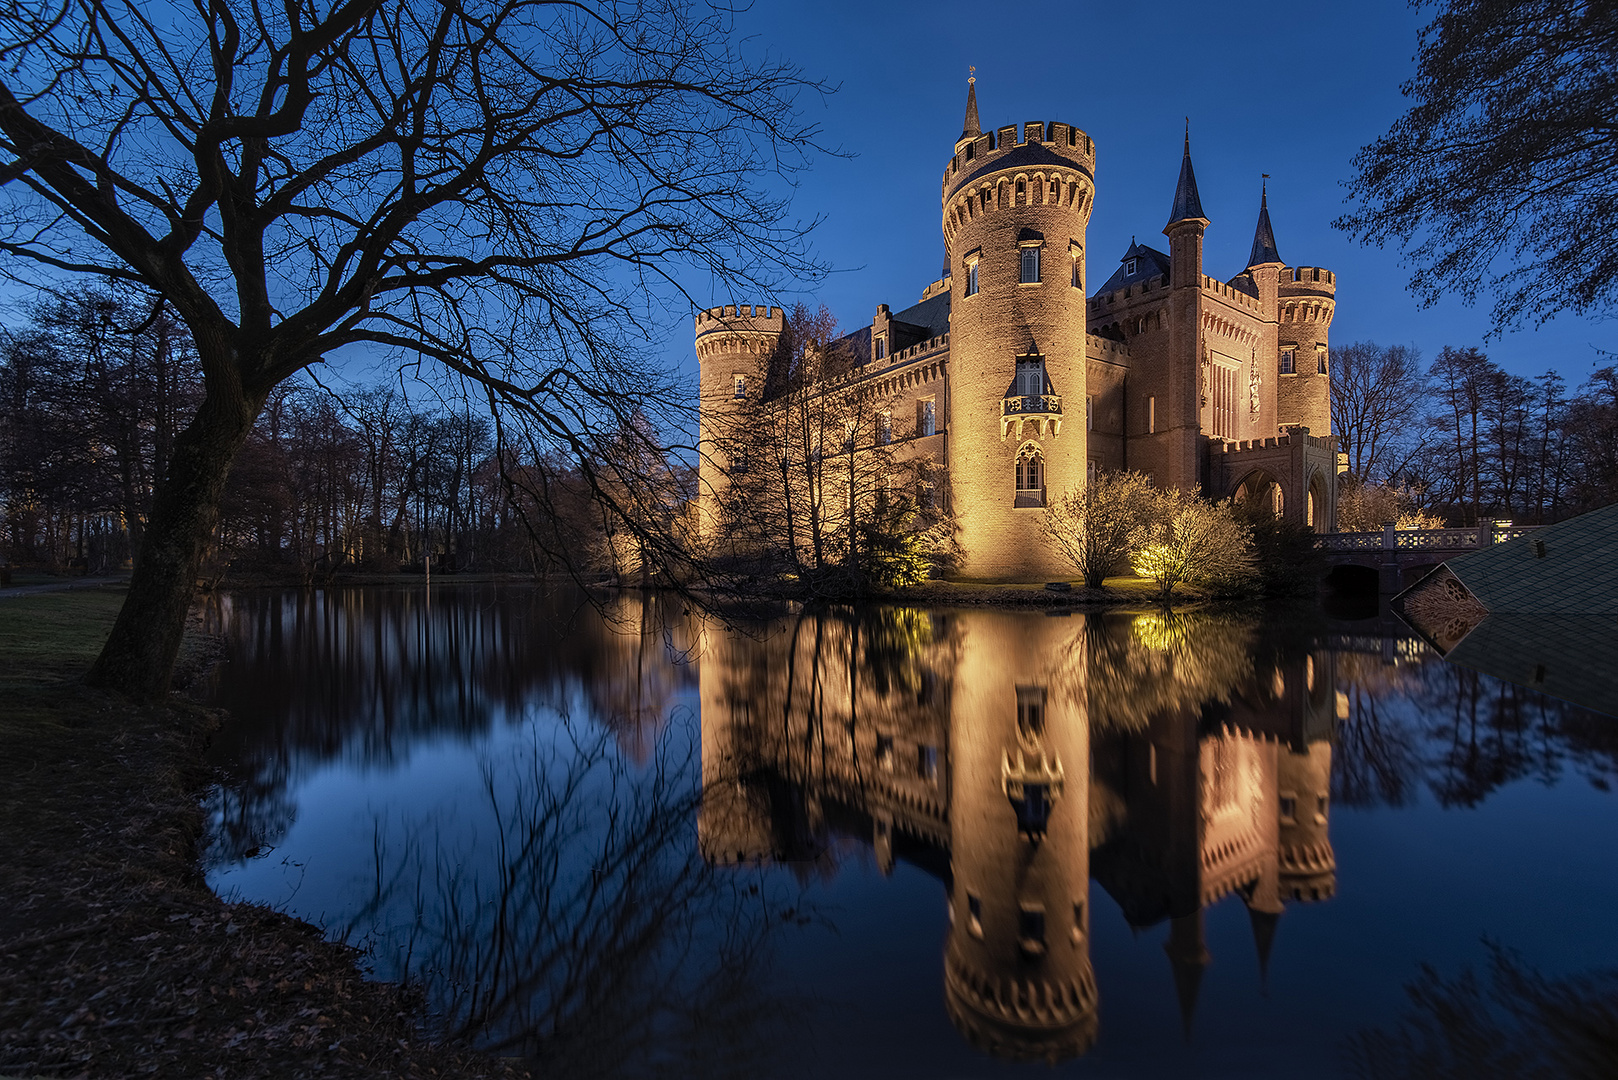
1264 252
1186 225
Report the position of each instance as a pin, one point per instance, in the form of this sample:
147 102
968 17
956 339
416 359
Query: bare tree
1189 539
1096 526
1376 407
492 187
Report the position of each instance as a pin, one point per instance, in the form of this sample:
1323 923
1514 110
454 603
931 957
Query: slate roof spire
1264 236
971 129
1187 203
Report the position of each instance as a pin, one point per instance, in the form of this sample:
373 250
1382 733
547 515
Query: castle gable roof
928 319
1149 263
1187 203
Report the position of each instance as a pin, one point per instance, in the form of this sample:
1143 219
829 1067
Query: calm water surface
899 842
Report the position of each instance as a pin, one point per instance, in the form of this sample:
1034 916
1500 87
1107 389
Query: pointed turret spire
1187 203
1264 924
1188 956
1264 236
971 129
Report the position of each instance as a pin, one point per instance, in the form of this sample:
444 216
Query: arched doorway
1260 490
1317 511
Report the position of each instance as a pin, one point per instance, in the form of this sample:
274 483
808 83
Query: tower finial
1187 203
971 129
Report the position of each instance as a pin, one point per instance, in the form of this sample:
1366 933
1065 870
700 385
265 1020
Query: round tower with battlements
1015 208
736 346
1306 298
1018 981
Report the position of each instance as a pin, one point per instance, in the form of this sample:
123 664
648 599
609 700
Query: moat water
938 843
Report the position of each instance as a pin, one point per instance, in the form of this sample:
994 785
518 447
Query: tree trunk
139 656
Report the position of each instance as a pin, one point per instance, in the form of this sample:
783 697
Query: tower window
1077 281
1089 412
1031 929
1031 712
1289 809
1055 190
972 278
884 429
1022 189
1320 359
741 386
926 418
1129 267
884 751
1151 415
1030 478
927 762
882 348
1289 361
974 914
1030 377
1030 266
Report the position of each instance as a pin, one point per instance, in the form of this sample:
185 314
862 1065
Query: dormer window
1030 376
1130 266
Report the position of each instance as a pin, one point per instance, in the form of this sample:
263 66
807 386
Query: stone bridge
1399 557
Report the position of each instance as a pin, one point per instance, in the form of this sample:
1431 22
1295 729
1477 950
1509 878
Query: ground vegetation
115 958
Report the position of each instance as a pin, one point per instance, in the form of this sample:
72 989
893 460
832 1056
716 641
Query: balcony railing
1049 404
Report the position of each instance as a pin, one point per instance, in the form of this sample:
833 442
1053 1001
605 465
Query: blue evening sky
1289 89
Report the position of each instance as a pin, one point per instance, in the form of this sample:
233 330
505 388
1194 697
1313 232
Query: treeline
95 388
1461 440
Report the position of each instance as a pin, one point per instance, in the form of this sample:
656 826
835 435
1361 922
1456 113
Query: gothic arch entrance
1260 489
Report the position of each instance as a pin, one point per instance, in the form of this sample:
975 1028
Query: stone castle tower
1015 210
1023 387
1018 980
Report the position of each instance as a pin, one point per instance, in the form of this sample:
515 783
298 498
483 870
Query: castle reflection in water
1172 761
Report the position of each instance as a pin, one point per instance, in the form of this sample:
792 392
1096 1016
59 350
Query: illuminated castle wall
1022 384
1017 757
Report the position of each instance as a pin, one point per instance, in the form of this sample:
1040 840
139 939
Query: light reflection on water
900 842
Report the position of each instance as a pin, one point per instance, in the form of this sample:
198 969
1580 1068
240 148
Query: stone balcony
1043 412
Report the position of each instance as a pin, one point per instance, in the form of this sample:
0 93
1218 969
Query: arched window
1030 477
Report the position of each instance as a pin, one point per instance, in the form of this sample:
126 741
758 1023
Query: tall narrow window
1031 712
926 418
1089 412
927 762
741 386
1030 376
884 429
1151 415
1320 359
1289 361
1030 478
1030 266
1092 469
1077 280
882 347
972 278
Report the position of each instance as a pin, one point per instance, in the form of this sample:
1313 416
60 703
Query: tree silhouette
502 189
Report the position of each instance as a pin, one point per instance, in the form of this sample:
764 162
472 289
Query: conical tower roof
1188 957
1264 236
1264 924
1187 203
971 129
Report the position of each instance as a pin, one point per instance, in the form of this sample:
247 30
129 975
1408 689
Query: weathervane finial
971 73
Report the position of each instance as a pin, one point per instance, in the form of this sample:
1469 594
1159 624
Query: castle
1023 385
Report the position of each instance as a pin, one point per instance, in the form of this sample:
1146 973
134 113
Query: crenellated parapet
738 328
1050 166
